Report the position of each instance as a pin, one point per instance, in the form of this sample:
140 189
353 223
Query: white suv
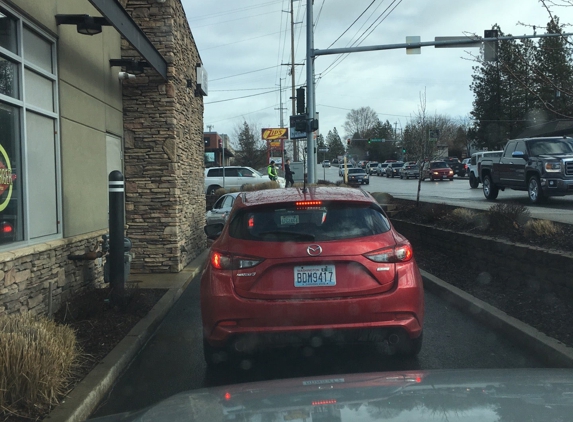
235 177
474 166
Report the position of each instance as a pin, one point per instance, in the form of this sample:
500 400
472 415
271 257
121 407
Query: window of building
29 144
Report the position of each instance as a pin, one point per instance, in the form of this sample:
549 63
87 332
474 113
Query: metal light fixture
85 24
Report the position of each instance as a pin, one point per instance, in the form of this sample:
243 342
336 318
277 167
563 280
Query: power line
240 98
243 40
352 24
241 74
231 11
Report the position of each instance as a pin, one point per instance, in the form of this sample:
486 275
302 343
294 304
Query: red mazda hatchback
291 267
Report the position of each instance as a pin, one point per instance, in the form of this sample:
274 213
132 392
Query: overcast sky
244 44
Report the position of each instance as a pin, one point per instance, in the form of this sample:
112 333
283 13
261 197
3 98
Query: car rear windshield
334 221
438 165
352 171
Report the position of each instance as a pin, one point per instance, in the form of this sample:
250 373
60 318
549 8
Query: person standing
288 174
272 171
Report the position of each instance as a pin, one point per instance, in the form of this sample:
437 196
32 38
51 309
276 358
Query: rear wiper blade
301 236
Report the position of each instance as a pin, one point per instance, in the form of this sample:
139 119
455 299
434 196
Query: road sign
294 134
377 140
433 134
323 150
413 40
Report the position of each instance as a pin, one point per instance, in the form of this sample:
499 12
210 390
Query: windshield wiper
300 236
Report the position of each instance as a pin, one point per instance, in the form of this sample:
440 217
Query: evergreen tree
251 150
334 143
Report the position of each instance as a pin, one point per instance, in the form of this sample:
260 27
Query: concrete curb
84 398
550 351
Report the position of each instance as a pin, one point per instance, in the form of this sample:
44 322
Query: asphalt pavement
172 360
459 193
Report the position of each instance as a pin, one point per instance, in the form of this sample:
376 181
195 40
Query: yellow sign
273 134
6 178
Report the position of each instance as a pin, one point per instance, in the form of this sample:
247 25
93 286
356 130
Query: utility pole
281 108
293 96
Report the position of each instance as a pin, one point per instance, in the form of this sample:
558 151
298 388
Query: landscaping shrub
382 197
504 216
468 219
432 213
37 359
540 228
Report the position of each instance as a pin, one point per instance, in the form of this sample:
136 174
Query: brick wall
26 273
164 150
532 267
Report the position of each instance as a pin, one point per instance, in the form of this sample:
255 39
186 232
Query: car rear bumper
228 318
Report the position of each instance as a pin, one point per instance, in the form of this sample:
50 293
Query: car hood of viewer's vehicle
450 395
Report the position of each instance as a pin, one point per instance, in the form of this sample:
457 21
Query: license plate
314 275
289 220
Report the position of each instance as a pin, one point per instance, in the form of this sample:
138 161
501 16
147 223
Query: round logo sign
6 179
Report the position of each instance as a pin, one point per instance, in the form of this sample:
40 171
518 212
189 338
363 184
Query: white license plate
289 220
314 275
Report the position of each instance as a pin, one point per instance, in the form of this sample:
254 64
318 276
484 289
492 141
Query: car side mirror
213 231
519 154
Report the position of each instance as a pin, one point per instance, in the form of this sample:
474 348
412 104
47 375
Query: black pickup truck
456 165
541 166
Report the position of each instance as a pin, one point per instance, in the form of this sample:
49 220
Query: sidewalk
83 399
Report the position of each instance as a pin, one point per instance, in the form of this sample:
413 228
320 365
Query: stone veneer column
164 152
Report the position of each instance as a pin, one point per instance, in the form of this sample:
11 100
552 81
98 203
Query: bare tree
360 122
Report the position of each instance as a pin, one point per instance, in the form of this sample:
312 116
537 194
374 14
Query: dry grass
37 360
382 197
504 216
540 228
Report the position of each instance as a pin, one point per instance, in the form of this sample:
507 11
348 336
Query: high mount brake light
308 203
398 253
222 261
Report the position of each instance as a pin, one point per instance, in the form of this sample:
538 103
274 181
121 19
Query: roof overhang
126 26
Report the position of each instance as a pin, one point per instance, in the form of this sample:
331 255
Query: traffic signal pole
311 157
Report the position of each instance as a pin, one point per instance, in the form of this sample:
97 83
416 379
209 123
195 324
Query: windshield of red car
325 222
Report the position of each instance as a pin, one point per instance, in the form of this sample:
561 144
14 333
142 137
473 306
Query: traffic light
348 142
300 101
403 150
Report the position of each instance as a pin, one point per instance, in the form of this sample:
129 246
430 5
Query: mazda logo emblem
314 250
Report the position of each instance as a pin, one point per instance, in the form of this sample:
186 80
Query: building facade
66 121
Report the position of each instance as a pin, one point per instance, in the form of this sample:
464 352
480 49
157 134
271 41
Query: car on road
221 209
437 169
455 164
233 177
348 276
466 164
381 169
393 169
358 176
410 170
474 170
326 163
371 167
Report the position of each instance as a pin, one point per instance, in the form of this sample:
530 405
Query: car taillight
221 261
398 253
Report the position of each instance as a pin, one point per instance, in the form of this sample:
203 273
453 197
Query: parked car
235 177
221 209
393 169
348 277
436 170
475 165
358 176
371 167
326 163
381 169
409 170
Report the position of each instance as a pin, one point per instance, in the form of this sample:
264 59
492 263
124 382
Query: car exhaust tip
393 339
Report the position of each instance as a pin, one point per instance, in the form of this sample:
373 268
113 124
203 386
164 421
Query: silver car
221 209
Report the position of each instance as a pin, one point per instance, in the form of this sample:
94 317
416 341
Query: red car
318 267
436 170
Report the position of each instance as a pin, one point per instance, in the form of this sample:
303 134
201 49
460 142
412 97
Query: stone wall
164 152
26 274
532 267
